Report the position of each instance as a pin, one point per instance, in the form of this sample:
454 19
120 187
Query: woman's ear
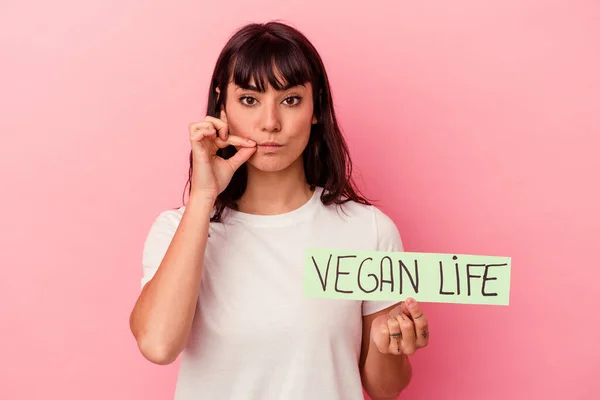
222 106
314 119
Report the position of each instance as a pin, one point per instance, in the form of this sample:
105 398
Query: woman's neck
271 193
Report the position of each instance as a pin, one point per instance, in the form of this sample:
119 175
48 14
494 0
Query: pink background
483 113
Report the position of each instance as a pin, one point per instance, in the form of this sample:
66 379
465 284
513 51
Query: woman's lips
269 147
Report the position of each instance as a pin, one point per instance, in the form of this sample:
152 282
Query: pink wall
489 111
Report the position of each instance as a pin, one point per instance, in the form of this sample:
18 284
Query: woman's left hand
403 330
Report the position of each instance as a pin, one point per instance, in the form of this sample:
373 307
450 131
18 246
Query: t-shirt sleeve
157 242
388 239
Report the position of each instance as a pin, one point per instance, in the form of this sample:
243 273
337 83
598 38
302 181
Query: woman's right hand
210 173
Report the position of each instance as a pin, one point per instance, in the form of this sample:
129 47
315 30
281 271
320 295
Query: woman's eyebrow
247 87
255 89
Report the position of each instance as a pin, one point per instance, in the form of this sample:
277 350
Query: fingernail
410 302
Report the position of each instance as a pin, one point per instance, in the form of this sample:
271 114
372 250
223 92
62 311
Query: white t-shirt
255 336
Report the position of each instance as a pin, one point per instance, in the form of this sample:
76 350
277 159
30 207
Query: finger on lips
209 127
224 138
239 141
236 141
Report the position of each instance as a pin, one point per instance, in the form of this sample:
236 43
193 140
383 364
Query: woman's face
278 121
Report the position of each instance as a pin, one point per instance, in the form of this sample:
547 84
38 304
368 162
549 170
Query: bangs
270 60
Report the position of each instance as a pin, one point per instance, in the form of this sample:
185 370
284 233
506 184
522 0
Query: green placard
427 277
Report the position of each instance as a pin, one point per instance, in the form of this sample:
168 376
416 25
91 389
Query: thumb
240 157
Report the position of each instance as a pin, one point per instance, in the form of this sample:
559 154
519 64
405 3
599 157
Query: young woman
222 275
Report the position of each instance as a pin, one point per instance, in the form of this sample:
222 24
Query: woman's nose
270 119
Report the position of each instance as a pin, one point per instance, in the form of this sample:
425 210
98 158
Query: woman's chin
269 162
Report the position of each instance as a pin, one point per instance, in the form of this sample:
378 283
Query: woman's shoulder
167 220
357 209
368 215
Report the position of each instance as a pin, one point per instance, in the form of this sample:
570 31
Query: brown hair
258 52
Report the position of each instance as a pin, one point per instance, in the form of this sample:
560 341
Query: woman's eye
249 101
292 100
289 101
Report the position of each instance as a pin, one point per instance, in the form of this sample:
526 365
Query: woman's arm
390 336
162 316
384 376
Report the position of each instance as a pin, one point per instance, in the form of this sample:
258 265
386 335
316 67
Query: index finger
233 140
221 126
